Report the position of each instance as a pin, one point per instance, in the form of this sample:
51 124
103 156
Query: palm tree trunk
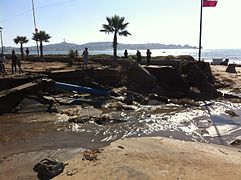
21 49
41 49
115 47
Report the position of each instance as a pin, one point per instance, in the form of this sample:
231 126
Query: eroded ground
32 133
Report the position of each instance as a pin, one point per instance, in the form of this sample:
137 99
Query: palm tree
21 40
41 36
117 26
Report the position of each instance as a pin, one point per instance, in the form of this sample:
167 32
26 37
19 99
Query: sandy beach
233 79
157 158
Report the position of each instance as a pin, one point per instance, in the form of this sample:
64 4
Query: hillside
98 46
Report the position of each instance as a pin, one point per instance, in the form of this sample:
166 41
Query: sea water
234 55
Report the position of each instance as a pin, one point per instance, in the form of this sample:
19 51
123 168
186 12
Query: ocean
234 55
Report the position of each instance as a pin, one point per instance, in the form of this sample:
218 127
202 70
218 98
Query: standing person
2 66
148 57
85 55
138 55
126 54
19 65
27 51
14 62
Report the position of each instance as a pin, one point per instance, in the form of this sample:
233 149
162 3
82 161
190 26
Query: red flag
209 3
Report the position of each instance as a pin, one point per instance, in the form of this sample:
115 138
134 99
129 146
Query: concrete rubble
143 85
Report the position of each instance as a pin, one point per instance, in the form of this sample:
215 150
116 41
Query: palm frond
41 36
20 39
124 33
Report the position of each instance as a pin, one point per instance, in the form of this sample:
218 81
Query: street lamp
1 38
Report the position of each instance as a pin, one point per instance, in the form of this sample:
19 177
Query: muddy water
34 129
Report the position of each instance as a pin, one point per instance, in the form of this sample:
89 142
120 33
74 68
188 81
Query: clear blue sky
158 21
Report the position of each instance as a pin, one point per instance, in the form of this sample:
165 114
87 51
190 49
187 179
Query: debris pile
124 87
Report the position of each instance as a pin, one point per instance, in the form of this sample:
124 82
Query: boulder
139 79
231 68
170 80
200 76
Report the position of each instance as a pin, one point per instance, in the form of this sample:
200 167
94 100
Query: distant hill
99 46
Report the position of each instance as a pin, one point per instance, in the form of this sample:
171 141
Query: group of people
16 62
139 58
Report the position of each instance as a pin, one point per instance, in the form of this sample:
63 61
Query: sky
151 21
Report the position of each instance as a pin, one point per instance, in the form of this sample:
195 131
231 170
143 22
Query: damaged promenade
53 107
162 81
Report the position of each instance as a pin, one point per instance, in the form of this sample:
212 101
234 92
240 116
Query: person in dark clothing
27 51
138 55
126 54
14 62
2 66
148 57
19 65
85 55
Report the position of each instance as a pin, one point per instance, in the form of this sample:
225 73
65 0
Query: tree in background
117 26
22 40
41 36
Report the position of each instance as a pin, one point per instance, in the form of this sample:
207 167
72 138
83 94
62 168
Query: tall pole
35 26
200 32
1 39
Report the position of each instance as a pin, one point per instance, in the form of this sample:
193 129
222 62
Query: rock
158 98
236 142
236 90
72 172
91 155
169 79
231 113
231 96
47 169
103 119
121 106
199 75
82 119
231 68
184 102
138 79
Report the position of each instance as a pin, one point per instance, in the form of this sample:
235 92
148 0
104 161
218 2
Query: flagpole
200 32
35 26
